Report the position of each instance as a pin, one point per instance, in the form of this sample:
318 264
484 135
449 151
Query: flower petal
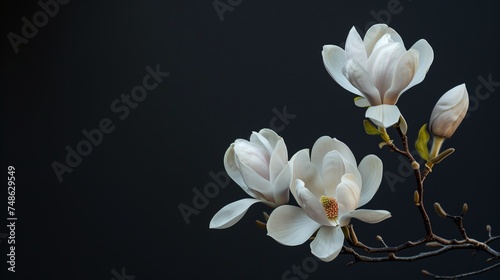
307 172
233 170
279 159
355 48
382 64
371 171
348 193
425 58
361 79
325 144
281 186
327 243
383 115
332 172
403 75
290 226
255 182
361 102
253 155
369 216
311 204
231 213
375 32
334 59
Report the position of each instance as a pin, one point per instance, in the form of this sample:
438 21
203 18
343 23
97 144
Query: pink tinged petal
334 59
231 213
370 216
383 115
377 31
361 79
253 156
281 187
307 172
256 182
425 58
362 102
449 111
348 193
355 48
382 64
327 243
403 75
333 170
326 144
311 204
371 171
290 226
279 159
233 170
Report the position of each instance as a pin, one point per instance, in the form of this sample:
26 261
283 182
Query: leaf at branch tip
421 144
382 144
442 155
370 129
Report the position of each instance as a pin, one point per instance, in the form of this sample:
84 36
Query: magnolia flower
260 167
329 187
449 112
379 69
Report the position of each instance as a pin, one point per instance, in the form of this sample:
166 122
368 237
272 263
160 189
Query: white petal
355 48
231 213
260 140
255 182
382 64
307 172
279 159
325 144
311 204
332 172
362 80
290 226
327 243
369 216
254 156
233 170
383 115
403 75
281 187
375 32
371 171
348 193
425 58
334 59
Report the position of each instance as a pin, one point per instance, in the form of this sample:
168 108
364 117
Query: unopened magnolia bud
379 238
415 165
449 111
416 198
439 210
426 273
433 244
488 228
465 208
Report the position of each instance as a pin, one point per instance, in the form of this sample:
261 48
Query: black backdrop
116 215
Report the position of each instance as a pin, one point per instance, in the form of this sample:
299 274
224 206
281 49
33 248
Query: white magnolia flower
379 69
260 167
449 111
329 187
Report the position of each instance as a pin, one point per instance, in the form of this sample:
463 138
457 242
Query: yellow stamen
331 207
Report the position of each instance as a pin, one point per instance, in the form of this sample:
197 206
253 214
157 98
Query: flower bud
449 112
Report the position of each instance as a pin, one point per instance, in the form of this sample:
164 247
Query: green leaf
370 128
421 144
442 155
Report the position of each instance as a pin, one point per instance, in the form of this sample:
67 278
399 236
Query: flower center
331 207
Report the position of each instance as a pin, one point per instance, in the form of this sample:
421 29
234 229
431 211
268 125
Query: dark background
119 207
